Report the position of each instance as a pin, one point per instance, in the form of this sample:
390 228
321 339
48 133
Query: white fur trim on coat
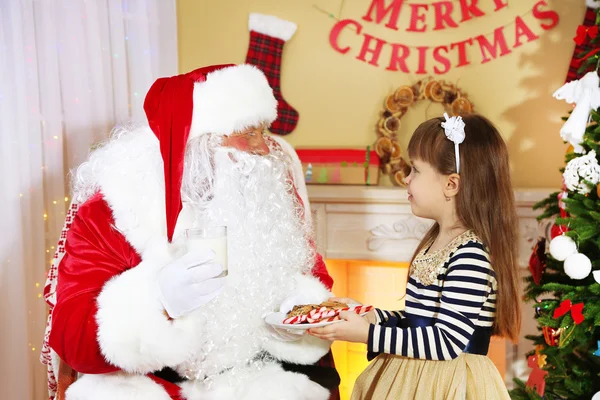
268 383
116 386
232 99
309 349
298 174
271 26
305 351
133 332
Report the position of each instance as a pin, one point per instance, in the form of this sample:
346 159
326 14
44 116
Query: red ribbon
578 61
576 311
583 31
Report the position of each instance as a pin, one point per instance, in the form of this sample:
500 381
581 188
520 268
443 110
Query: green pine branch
573 369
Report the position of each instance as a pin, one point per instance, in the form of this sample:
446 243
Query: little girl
463 282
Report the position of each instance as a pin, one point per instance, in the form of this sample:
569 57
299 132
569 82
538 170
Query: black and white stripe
464 297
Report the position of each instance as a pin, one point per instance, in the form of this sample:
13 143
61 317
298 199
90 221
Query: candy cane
336 318
325 314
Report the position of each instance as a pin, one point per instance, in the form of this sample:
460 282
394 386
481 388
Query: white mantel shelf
376 223
395 195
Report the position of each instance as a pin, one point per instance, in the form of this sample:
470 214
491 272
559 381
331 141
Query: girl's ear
452 185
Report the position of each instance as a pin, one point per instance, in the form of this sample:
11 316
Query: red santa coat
99 257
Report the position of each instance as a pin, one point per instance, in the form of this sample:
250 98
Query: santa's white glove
189 282
289 335
283 335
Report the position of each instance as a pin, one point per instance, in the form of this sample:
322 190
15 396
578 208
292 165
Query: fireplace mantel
375 223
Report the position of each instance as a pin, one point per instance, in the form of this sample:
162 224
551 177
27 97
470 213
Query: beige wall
339 97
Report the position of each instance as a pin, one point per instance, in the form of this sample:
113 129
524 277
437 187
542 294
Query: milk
217 244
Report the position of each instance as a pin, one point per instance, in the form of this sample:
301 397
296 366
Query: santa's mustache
206 160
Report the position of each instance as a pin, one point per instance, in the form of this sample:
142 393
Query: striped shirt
462 298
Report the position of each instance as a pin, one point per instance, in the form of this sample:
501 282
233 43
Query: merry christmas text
438 59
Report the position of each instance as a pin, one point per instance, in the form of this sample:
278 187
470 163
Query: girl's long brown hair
484 203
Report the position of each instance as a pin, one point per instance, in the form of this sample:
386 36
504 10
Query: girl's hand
371 318
354 328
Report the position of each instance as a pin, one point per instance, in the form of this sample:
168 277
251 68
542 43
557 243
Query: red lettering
422 55
548 14
486 46
374 52
335 32
443 11
416 17
500 4
378 6
462 51
521 29
399 54
441 59
469 10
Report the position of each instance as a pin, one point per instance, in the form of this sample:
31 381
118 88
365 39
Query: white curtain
69 71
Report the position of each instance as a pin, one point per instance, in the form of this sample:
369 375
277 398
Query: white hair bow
454 127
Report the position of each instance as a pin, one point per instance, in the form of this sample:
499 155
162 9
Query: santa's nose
251 141
257 144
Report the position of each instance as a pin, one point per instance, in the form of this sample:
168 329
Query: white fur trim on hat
232 99
272 26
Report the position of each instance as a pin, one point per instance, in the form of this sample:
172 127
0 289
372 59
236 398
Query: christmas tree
564 286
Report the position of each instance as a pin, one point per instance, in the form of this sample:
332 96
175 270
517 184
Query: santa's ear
297 171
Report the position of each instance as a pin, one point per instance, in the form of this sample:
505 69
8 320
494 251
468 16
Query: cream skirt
469 376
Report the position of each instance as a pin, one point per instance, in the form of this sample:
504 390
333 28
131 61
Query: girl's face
426 190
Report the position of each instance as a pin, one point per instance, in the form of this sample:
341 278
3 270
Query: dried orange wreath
453 99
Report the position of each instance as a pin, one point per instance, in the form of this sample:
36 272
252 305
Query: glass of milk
214 238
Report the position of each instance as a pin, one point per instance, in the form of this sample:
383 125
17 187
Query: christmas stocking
268 34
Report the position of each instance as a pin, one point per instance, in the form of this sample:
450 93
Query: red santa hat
218 99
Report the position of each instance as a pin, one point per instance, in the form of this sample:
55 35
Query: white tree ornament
580 168
578 266
562 247
585 93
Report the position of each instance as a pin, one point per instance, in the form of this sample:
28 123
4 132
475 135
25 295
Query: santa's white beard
268 243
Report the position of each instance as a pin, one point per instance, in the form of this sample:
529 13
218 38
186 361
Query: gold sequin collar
426 266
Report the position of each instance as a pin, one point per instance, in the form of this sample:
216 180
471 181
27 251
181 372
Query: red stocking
268 34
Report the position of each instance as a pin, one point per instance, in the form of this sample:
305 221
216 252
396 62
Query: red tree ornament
551 335
557 230
537 261
537 378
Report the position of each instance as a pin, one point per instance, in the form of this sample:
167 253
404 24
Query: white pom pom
593 4
578 266
596 396
596 276
562 247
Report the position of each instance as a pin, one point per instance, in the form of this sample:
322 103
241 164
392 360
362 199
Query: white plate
276 320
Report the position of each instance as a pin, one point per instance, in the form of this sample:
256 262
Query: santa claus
134 314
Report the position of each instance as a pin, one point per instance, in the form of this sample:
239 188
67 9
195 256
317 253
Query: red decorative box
339 166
